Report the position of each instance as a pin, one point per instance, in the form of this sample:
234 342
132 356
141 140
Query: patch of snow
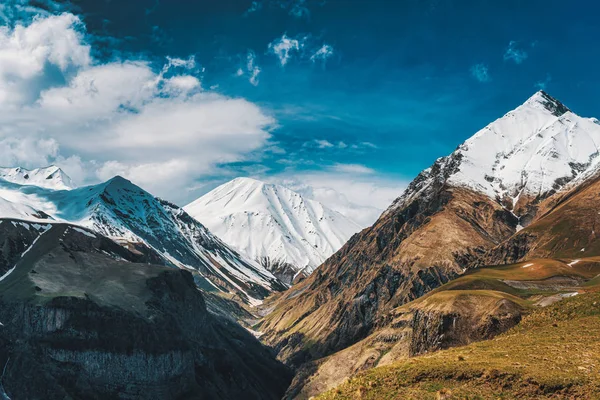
571 294
519 228
7 273
84 232
527 265
573 263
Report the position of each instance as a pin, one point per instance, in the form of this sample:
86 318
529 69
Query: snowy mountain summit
50 177
529 153
276 226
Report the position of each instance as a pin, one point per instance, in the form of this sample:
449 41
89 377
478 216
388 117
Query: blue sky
343 100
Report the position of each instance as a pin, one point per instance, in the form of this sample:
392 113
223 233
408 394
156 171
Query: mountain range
497 240
131 216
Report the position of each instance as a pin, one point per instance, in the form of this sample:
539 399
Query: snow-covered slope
9 209
126 213
532 151
273 224
50 177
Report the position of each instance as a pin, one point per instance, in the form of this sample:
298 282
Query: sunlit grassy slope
553 353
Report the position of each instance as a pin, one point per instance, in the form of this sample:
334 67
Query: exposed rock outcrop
80 322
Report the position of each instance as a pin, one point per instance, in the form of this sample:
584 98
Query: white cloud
322 54
359 197
25 51
285 47
514 53
480 72
181 84
188 64
158 128
353 168
253 69
543 85
250 69
324 144
27 151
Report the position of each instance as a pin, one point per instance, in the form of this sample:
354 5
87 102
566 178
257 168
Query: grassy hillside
553 353
477 306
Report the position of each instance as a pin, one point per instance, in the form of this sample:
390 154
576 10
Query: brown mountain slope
410 250
568 226
476 306
484 301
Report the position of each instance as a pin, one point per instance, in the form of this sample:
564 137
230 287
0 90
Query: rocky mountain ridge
133 217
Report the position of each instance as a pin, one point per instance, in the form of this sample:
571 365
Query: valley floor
554 353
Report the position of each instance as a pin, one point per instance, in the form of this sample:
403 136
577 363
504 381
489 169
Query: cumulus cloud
480 72
285 47
27 51
515 53
322 54
27 150
16 10
159 128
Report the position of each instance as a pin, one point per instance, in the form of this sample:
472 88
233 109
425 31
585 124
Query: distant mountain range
50 177
267 236
131 216
275 226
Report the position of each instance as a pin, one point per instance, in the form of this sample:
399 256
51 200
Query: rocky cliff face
442 321
408 252
80 321
567 227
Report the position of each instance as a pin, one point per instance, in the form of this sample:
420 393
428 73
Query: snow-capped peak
544 101
273 224
533 150
51 177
